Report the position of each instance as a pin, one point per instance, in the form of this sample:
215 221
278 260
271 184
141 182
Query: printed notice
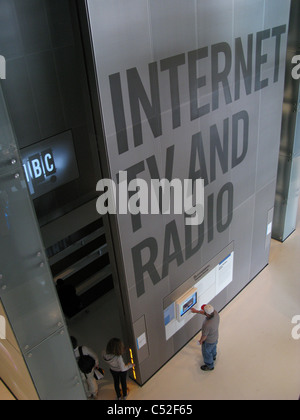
224 274
269 229
2 328
141 341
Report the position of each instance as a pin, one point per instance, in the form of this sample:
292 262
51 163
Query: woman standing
114 357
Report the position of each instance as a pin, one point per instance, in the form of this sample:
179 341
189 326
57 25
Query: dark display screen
50 164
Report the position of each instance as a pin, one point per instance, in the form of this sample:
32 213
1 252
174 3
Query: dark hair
60 282
115 346
74 343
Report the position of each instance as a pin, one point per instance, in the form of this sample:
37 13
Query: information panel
207 289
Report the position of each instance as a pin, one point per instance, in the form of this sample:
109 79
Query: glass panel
59 384
27 290
8 150
27 287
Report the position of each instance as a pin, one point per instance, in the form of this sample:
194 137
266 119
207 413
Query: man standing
210 335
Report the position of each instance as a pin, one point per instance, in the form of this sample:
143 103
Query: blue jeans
209 352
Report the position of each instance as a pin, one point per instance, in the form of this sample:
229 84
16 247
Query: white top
116 363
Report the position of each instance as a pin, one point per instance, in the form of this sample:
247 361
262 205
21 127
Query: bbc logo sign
39 167
2 328
2 67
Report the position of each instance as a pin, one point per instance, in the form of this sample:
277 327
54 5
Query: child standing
114 357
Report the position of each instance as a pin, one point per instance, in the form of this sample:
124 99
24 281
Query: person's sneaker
206 368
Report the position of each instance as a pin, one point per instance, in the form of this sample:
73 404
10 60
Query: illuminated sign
40 166
132 362
50 164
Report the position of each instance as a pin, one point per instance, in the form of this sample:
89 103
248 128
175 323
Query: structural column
27 291
288 180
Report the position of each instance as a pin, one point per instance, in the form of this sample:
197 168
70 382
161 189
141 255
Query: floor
258 357
5 395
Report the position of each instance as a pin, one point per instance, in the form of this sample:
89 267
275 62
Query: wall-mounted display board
208 283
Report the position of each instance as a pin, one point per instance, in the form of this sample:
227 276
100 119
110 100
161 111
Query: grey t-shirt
210 328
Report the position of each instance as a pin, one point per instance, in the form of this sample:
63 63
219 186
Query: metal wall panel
58 380
141 49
